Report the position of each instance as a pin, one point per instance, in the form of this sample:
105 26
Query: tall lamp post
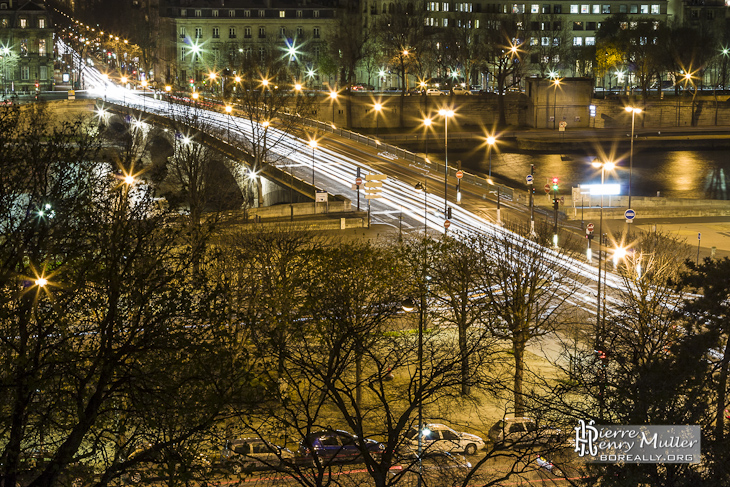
333 97
446 114
229 109
313 145
377 107
424 187
427 123
607 165
123 79
556 83
491 140
633 111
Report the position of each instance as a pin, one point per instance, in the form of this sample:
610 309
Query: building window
546 9
262 14
262 54
42 47
43 73
655 9
247 13
282 14
24 72
23 47
316 52
585 9
183 13
42 23
446 22
316 14
544 41
299 14
557 9
534 9
605 9
231 32
634 9
198 32
198 13
518 8
182 32
577 25
216 33
282 32
644 9
574 9
232 13
595 9
300 32
577 41
23 23
215 13
590 26
316 33
590 41
262 32
623 9
247 32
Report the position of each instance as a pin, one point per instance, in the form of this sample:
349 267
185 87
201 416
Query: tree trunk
721 395
518 348
358 375
465 389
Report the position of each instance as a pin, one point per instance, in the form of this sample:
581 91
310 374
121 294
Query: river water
675 174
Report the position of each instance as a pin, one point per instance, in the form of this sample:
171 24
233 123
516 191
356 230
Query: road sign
529 179
321 196
590 227
459 174
358 181
373 184
447 224
547 188
562 200
630 214
375 177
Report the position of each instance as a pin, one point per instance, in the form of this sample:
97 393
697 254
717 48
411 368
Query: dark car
336 446
250 454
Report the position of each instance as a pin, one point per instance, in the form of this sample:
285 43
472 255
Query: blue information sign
630 214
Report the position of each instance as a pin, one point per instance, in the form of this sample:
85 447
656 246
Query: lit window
299 14
606 9
577 41
198 32
215 13
644 9
596 9
518 8
545 41
445 7
41 23
282 14
198 13
633 9
590 41
574 9
316 14
585 9
42 47
232 13
23 23
655 9
534 9
246 13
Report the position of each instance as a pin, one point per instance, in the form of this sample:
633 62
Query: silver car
249 454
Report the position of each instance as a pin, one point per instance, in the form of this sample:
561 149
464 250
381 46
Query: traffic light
555 184
448 213
556 203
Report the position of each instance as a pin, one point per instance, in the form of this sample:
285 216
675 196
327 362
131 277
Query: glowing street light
556 83
427 123
41 282
447 114
377 108
333 97
491 140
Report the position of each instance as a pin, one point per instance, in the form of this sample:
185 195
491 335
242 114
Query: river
676 174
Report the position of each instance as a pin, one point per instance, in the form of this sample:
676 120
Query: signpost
447 224
630 215
589 228
459 174
373 188
529 179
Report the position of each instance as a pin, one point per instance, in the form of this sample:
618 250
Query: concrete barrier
645 207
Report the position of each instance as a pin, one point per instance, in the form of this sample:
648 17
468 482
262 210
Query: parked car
460 90
439 437
250 454
335 446
522 431
434 91
153 464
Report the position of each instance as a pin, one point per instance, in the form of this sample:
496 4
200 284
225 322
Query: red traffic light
555 180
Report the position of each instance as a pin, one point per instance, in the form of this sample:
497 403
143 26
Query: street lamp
424 187
144 88
633 111
427 123
556 83
446 114
333 97
377 107
607 165
313 145
229 109
491 140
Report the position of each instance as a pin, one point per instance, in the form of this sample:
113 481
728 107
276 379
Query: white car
439 437
460 90
434 91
